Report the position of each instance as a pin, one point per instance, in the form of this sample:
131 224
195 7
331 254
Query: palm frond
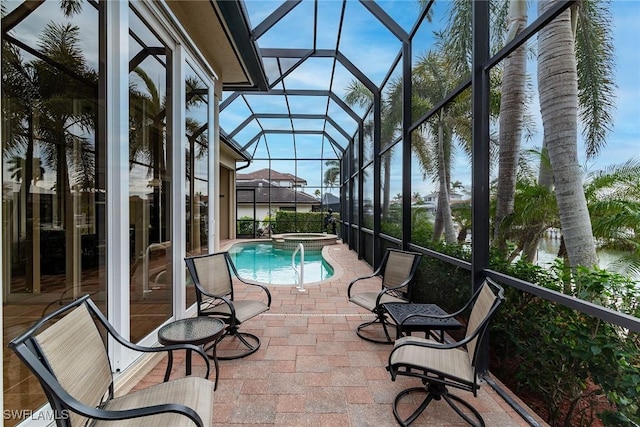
595 59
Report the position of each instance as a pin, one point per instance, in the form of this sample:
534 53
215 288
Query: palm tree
511 121
147 144
593 49
433 144
358 94
43 87
64 121
433 79
535 211
581 32
613 198
332 173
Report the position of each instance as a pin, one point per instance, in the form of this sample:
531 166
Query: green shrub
300 222
246 226
571 361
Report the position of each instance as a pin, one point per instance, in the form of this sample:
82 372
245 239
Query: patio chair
66 351
396 270
442 365
213 277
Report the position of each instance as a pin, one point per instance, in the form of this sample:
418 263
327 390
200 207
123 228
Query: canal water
548 250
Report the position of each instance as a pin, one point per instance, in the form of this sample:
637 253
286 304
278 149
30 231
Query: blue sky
371 48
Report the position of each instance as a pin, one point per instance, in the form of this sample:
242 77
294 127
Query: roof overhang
221 32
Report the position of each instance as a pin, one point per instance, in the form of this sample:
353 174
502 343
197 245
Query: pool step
279 240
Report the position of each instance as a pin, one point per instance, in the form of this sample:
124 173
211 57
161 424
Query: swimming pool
261 262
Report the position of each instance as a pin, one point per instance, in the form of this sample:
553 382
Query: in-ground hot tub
310 241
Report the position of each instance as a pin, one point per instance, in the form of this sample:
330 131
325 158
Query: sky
372 48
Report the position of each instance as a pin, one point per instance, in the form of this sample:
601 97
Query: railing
145 266
299 248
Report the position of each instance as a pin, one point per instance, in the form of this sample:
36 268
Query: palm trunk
558 91
386 186
511 122
443 211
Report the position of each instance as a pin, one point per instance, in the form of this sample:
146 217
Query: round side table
193 330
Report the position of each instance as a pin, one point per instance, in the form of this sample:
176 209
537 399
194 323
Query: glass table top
191 330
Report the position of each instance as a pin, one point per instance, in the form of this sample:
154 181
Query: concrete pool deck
312 369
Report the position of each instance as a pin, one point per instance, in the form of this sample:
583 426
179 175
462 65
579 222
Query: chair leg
436 392
478 422
250 342
380 319
405 422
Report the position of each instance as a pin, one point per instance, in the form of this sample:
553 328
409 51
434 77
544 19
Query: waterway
548 249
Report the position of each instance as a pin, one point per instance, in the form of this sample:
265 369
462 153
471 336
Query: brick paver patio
313 370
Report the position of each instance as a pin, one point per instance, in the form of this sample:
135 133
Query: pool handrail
299 248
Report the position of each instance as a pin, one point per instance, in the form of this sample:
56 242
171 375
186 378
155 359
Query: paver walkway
313 370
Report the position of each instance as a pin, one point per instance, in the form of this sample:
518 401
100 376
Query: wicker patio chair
213 277
442 365
71 362
396 270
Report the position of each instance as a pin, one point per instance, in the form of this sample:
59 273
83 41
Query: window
54 193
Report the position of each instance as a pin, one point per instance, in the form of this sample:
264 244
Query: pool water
263 263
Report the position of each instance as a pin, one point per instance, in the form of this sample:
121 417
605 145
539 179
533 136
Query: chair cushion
78 358
368 299
194 392
245 309
451 363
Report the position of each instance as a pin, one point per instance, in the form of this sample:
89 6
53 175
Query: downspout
243 167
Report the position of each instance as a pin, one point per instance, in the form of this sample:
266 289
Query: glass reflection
150 199
391 191
197 170
53 189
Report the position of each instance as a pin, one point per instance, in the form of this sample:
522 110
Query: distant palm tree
332 173
433 79
358 94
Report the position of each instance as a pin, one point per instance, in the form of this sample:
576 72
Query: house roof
330 199
266 193
270 175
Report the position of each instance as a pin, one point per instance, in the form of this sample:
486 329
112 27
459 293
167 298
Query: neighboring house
280 179
431 200
433 197
269 197
330 201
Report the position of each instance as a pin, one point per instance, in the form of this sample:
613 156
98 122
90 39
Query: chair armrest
386 290
423 342
372 275
102 414
225 300
246 281
260 285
